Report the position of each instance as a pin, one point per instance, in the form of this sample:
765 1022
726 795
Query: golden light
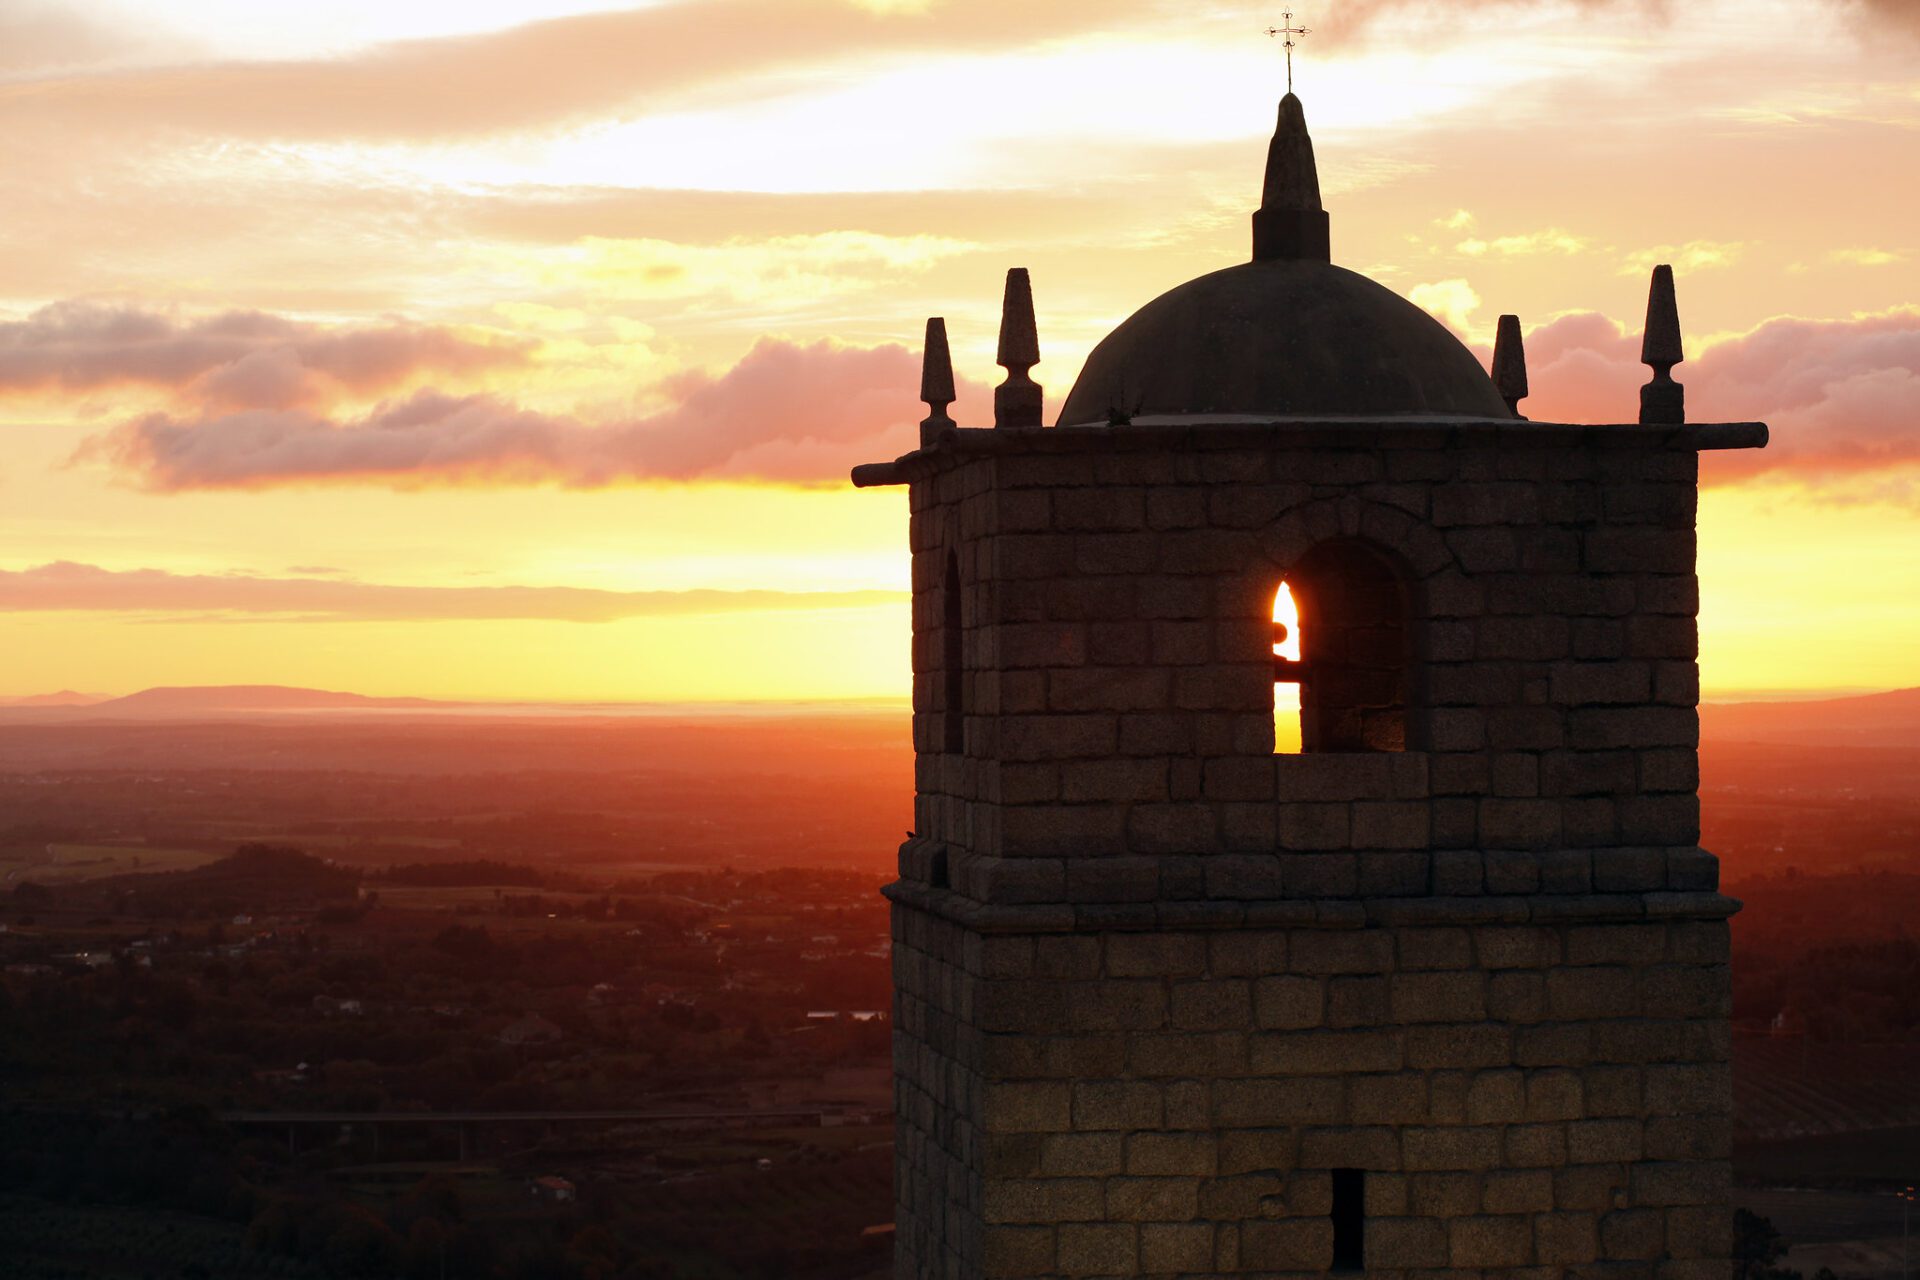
1286 697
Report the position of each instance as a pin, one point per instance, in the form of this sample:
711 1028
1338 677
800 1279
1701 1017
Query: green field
74 863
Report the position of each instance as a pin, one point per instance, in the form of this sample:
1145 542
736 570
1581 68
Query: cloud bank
236 360
1842 396
786 413
67 586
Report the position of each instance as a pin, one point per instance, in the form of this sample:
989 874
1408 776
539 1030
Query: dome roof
1287 338
1286 335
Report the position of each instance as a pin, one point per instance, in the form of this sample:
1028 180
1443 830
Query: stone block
1042 1200
1027 1107
1175 1247
1315 826
1603 1141
1496 1097
1458 996
1466 1046
1353 1147
1294 1244
1327 1053
1153 1199
1554 1095
1214 1004
1017 1252
1482 1242
1444 948
1517 1191
1443 1195
1171 1154
1116 1105
1256 1103
1244 877
1289 1002
1389 825
1357 1001
1387 1099
1475 1147
1317 951
1565 1239
1097 1249
1080 1155
1533 1146
1517 997
1633 1235
1256 1150
1247 954
1394 1244
1321 875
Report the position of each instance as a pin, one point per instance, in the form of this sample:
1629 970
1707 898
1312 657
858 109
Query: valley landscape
545 988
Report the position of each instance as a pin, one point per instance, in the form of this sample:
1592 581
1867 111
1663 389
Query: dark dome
1285 337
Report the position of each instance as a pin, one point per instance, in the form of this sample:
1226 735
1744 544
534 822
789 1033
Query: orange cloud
614 63
66 586
237 360
789 413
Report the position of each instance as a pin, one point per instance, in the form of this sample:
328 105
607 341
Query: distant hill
1871 720
64 698
190 701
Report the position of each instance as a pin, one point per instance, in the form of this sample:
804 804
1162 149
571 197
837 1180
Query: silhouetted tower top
1290 222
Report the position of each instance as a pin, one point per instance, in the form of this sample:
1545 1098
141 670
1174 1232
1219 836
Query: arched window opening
953 705
1349 666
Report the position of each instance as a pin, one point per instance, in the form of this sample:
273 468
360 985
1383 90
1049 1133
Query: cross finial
1287 31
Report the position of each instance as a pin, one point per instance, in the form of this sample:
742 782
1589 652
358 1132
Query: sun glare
1286 696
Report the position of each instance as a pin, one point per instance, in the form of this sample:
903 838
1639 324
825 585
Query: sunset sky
520 348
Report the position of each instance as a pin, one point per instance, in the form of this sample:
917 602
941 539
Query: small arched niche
1342 652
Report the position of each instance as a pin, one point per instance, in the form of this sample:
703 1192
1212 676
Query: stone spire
1290 222
1662 400
1510 364
1017 401
936 382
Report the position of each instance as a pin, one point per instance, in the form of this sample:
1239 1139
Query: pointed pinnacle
1019 335
1017 402
1662 400
1510 363
936 381
1661 347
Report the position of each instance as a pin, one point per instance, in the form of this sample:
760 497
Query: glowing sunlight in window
1286 696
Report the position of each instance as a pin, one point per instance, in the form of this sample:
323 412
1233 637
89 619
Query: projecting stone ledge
1511 909
1213 433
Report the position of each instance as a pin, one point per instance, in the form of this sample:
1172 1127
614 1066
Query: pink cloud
66 586
235 360
790 413
1842 396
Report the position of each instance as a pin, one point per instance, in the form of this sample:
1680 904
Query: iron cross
1288 30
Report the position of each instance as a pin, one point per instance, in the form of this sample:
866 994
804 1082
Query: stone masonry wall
1526 1100
938 1099
1117 605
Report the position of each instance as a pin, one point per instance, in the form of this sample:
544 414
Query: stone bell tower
1445 989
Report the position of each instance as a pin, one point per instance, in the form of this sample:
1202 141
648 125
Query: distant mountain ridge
187 702
1876 719
64 698
1869 720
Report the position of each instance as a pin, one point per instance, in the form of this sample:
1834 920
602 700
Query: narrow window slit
1349 1219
